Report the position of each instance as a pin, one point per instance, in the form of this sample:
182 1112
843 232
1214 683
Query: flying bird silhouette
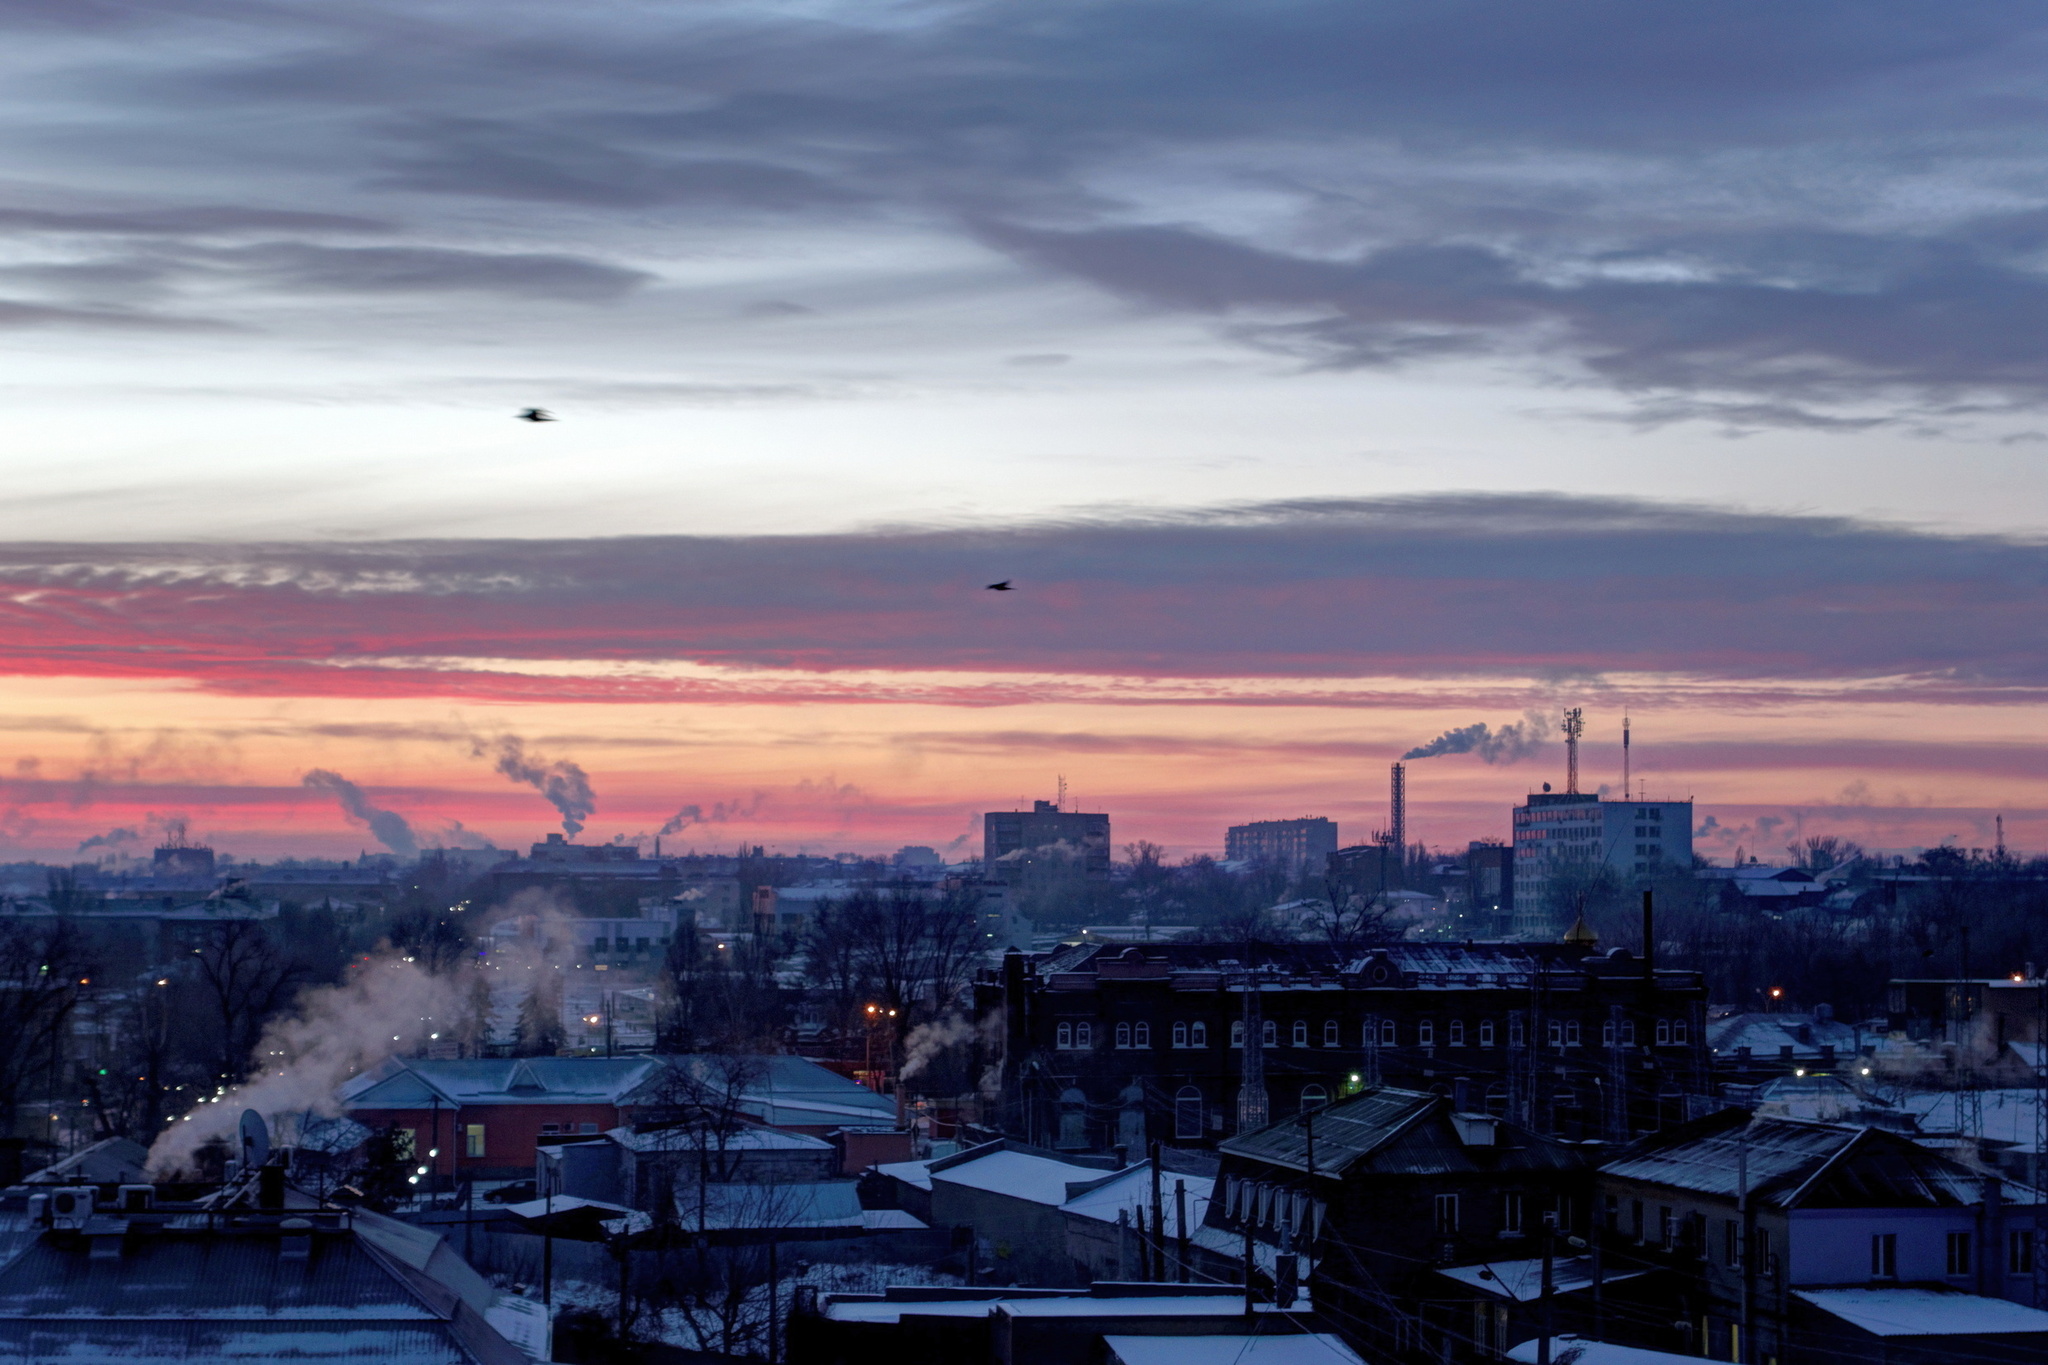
1003 586
536 415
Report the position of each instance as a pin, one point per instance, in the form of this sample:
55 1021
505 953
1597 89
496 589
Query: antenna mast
1627 791
1574 726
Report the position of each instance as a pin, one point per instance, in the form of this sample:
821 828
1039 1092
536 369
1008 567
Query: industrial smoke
564 784
1505 745
388 827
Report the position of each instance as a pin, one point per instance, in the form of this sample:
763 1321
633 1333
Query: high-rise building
1008 836
1292 844
1564 840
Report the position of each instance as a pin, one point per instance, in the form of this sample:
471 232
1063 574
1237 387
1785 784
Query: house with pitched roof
1773 1230
1377 1194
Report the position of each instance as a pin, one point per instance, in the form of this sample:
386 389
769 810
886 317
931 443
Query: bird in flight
1003 586
536 415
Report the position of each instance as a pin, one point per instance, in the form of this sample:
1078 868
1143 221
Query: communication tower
1574 726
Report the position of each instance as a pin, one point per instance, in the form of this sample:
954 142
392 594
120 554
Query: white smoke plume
387 827
565 785
927 1041
385 1007
1508 744
719 813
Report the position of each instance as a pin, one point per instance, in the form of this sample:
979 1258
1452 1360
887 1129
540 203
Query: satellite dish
255 1140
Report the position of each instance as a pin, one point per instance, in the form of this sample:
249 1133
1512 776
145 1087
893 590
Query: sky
1326 376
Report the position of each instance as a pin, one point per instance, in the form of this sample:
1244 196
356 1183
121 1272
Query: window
1556 1033
1387 1034
1187 1112
1270 1037
1511 1215
1425 1034
551 1130
1612 1207
1663 1033
1141 1034
1486 1033
1447 1213
1199 1034
1457 1033
1731 1242
1607 1034
1180 1033
1329 1033
1084 1035
1959 1253
1635 1208
1123 1035
1301 1033
1628 1033
1237 1033
1515 1031
1884 1256
474 1136
602 945
2019 1252
1313 1097
1066 1035
1571 1033
1678 1032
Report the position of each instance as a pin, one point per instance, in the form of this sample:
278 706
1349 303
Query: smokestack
1397 827
1627 791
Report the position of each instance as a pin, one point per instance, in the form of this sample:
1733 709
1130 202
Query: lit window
474 1136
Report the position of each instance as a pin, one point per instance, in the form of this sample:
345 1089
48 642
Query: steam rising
111 839
388 827
386 1006
1508 744
565 785
720 812
925 1042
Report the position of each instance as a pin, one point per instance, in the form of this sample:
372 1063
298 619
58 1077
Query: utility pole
1156 1270
1747 1250
1180 1231
1544 1305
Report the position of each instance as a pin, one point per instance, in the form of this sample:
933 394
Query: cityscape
953 682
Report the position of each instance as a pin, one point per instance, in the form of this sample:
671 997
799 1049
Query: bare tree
41 966
248 979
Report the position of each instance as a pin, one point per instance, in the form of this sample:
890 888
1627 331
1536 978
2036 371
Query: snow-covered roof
1522 1281
1306 1348
1900 1311
689 1139
1131 1190
2007 1115
1048 1306
918 1173
1766 1035
1038 1179
1571 1350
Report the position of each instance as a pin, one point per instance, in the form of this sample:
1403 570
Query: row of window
1195 1033
1675 1233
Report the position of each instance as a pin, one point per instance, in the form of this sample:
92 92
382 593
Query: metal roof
1399 1132
1341 1133
1788 1163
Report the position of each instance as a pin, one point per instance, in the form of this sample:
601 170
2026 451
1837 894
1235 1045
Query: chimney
1397 827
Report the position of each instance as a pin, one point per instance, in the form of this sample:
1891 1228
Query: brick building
1111 1046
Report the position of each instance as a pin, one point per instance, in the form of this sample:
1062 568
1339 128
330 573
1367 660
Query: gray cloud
396 269
194 221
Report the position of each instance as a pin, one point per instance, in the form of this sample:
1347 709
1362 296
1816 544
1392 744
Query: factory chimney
1397 826
1627 792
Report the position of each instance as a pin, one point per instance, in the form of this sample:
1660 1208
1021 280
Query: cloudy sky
1327 375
